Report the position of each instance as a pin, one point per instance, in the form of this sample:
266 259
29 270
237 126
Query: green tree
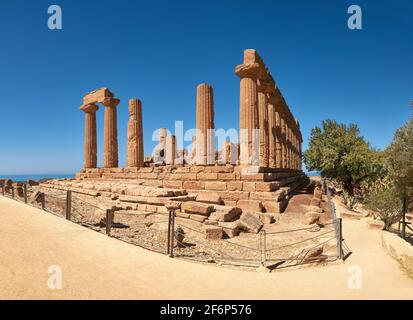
340 153
400 160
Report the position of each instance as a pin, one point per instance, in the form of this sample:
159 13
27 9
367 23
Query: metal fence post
25 192
3 189
168 249
339 235
172 232
12 192
263 247
109 220
404 218
68 204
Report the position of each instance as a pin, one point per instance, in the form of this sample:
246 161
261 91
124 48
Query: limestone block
266 186
234 186
268 196
213 232
209 197
250 223
248 186
311 218
233 195
230 229
266 218
197 208
194 185
225 213
216 185
97 96
275 206
207 176
250 205
197 217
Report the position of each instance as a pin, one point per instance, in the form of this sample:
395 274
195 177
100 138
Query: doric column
135 153
110 135
248 135
90 145
170 149
299 141
288 143
272 136
263 125
205 151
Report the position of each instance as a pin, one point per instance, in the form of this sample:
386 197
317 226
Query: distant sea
36 177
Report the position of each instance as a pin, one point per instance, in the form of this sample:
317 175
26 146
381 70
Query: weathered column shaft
110 146
248 121
170 149
278 141
272 143
135 152
249 124
265 129
284 142
90 143
205 151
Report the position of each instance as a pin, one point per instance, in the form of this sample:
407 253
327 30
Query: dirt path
97 267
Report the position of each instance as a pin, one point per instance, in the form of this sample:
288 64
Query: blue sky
159 51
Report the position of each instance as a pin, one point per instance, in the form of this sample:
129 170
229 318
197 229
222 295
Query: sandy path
97 267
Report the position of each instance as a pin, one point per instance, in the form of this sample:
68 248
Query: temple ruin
258 173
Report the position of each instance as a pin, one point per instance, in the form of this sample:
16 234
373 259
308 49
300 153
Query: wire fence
165 233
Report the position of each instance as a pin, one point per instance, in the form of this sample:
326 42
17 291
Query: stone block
250 205
209 197
248 186
97 96
193 207
250 223
213 232
234 186
266 186
268 196
198 217
194 185
266 218
275 206
207 176
311 218
225 214
230 229
216 185
233 195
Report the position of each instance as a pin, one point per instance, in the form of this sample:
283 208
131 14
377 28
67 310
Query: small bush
386 204
349 200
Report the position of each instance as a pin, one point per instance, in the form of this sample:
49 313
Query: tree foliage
400 160
340 153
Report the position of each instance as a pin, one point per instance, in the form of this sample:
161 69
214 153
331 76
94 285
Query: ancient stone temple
257 173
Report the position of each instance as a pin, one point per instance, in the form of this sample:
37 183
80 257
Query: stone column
205 151
263 124
110 136
284 141
135 153
90 145
170 149
288 143
248 135
272 143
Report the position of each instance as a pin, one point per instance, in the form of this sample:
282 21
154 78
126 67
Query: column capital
110 102
89 108
250 70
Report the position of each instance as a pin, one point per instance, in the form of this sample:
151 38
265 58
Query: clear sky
159 51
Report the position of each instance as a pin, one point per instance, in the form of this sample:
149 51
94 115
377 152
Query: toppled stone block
250 223
318 192
275 206
250 205
209 197
230 229
32 183
225 214
37 196
197 208
213 232
311 218
266 218
198 217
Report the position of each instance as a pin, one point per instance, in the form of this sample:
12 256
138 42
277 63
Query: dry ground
95 266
